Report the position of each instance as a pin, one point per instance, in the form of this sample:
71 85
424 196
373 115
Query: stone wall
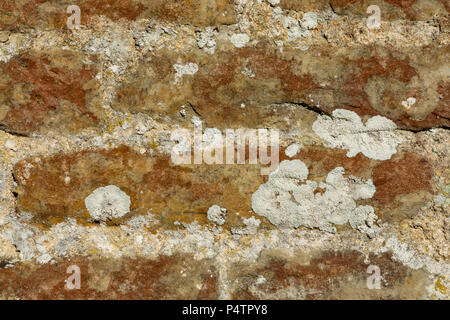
353 202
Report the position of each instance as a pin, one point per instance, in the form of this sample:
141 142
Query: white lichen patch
292 150
402 252
289 204
239 40
295 31
277 14
409 102
217 214
251 227
205 39
309 21
344 129
189 68
107 203
7 51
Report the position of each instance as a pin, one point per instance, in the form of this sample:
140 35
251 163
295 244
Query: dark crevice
193 109
13 133
309 107
136 45
332 9
322 112
3 264
424 129
15 193
15 246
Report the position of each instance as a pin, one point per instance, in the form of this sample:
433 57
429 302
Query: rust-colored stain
197 12
321 278
113 9
388 66
320 161
407 7
19 14
222 84
7 5
154 184
43 87
185 192
304 5
29 13
400 176
109 278
219 88
444 91
364 68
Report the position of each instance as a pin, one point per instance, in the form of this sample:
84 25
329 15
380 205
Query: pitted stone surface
87 181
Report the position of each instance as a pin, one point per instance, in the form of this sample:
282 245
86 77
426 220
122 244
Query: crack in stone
444 127
13 133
